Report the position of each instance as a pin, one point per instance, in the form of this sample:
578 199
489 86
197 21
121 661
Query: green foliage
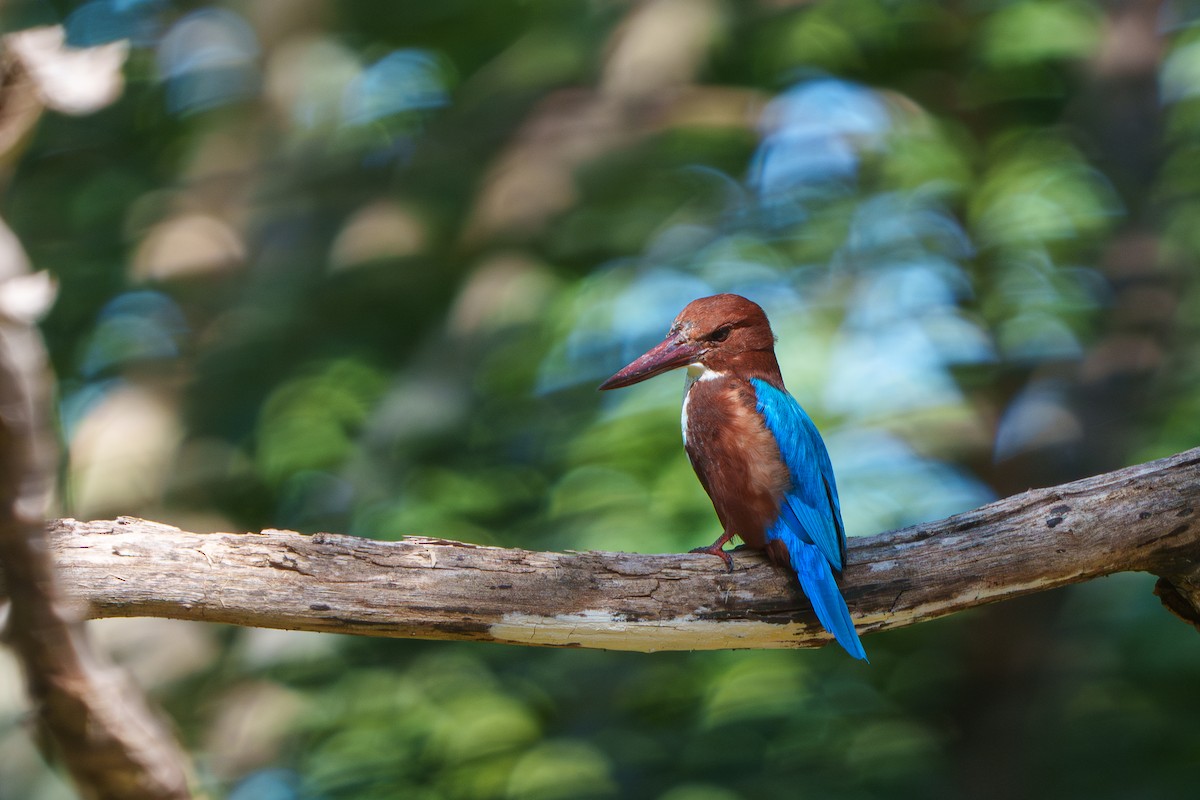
1027 33
312 422
370 269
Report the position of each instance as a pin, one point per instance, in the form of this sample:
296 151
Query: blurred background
338 265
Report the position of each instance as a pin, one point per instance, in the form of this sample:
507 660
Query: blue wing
810 520
813 498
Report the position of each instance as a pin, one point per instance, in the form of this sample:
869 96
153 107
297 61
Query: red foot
715 549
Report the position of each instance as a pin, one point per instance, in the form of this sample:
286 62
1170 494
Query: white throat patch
695 372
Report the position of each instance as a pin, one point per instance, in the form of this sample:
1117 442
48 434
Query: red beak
669 354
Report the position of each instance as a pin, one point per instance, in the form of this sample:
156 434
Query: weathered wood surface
1142 518
90 716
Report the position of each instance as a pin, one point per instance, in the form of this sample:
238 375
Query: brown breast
735 456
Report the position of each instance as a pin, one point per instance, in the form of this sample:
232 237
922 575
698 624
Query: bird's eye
720 334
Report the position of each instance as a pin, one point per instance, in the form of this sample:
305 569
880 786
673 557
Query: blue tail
816 579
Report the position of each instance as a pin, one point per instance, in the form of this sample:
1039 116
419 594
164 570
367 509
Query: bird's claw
719 552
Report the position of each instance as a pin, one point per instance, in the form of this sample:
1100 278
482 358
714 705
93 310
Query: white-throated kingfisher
755 450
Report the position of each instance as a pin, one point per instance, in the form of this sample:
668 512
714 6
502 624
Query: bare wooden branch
97 720
110 740
1138 519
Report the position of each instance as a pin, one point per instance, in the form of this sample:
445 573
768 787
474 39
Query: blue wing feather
813 497
810 518
817 581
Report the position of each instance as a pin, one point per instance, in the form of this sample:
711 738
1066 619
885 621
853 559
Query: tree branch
1137 519
112 742
101 726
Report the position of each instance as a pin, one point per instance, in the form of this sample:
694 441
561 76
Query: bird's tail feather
817 581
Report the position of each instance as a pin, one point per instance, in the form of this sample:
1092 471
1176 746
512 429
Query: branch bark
112 742
103 729
1142 518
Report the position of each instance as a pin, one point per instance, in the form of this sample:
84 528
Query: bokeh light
359 267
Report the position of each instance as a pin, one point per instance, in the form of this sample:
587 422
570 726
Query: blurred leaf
311 422
1040 30
561 769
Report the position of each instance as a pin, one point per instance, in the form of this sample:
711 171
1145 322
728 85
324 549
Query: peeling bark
1142 518
1180 595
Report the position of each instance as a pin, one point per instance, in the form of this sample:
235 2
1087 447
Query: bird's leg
717 549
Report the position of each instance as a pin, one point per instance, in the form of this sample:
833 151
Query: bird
757 454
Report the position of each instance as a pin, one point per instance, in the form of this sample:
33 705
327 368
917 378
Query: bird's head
716 332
